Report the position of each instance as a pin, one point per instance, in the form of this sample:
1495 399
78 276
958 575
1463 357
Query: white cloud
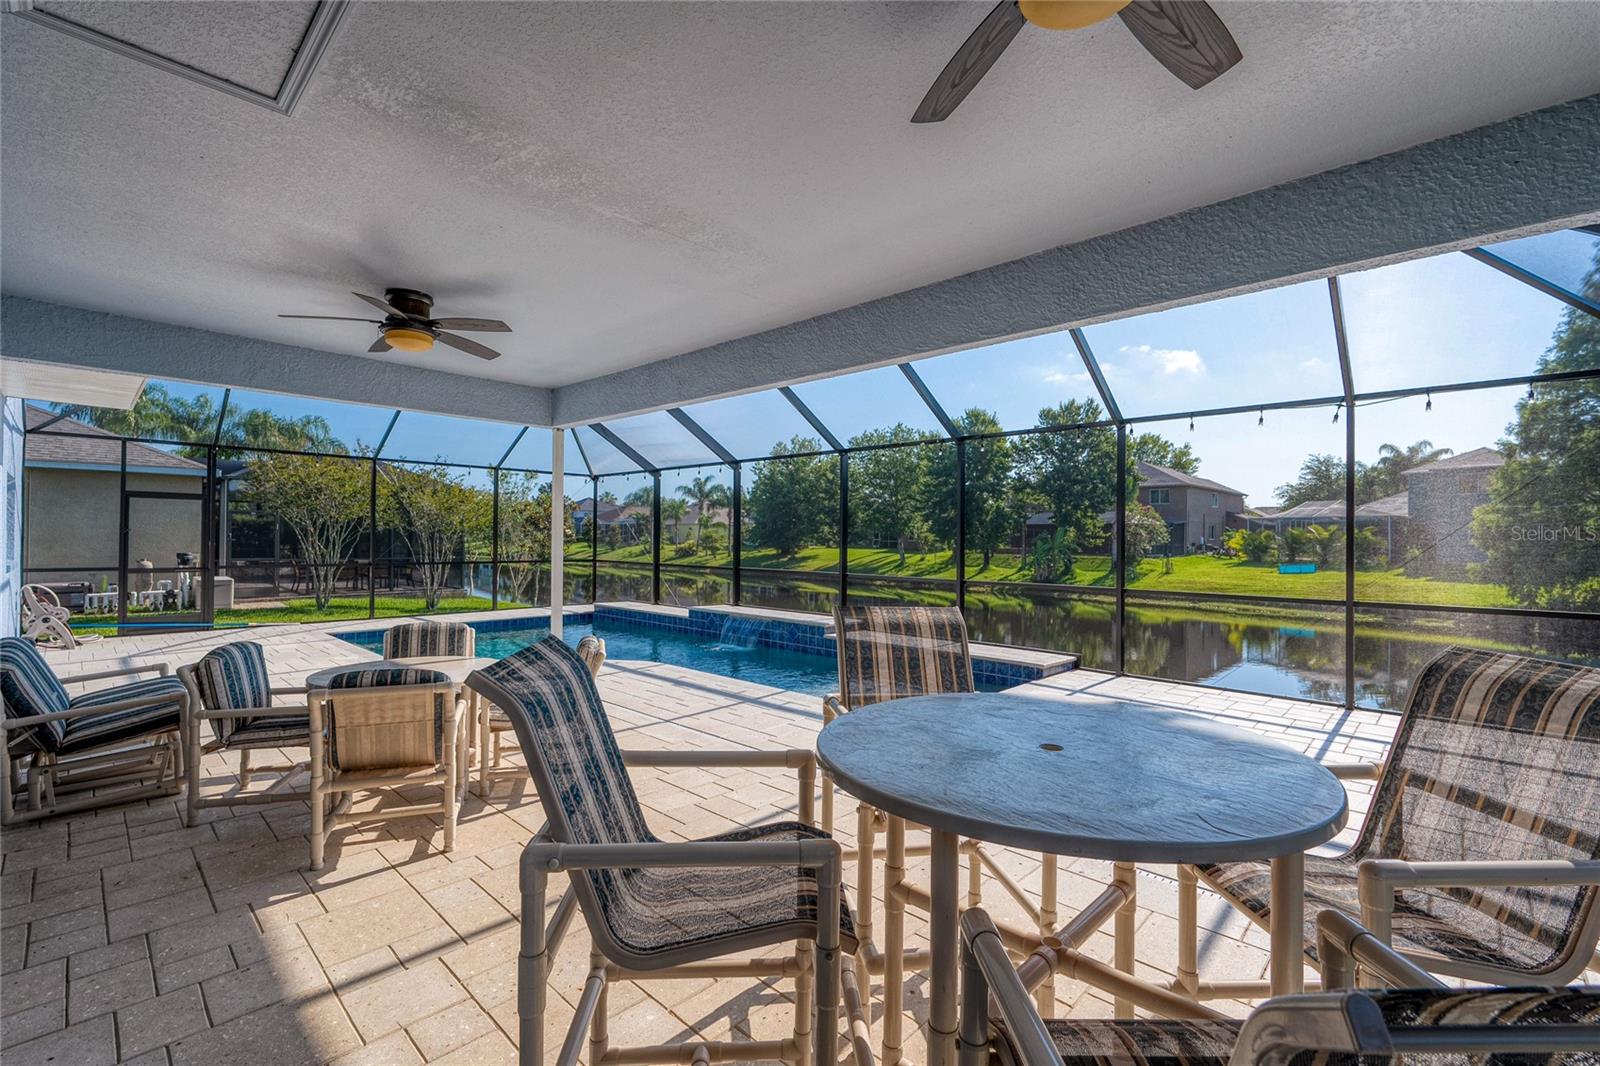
1170 360
1061 377
1314 363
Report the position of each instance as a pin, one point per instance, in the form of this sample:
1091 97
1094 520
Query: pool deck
128 937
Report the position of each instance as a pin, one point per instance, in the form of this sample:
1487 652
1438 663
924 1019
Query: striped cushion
1494 760
274 731
429 638
889 652
385 677
93 731
1163 1042
1152 1042
552 702
233 677
30 688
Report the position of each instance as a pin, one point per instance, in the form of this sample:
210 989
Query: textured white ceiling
625 182
247 42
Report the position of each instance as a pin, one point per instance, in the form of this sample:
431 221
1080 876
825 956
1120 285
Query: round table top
1096 778
458 667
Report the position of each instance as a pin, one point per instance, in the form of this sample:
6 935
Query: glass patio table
1087 777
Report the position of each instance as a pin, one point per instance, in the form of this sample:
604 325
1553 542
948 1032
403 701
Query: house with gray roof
73 511
1198 512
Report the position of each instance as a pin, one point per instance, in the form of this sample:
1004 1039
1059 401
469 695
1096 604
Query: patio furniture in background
658 910
101 602
1480 855
123 742
1419 1016
231 691
382 726
1087 777
43 617
887 653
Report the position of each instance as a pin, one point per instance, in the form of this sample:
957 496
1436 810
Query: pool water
774 667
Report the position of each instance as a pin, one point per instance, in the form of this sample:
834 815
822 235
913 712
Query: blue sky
1440 320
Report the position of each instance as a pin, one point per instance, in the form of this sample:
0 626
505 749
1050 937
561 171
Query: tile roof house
1198 511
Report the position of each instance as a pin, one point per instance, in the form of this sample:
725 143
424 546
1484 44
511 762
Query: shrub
1052 556
1256 545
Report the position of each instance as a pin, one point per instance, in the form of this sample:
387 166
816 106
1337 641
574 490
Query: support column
558 525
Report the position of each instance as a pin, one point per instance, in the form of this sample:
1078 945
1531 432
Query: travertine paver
126 934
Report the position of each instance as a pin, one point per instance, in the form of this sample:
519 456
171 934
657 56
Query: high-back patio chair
410 639
382 728
1480 855
231 699
887 653
657 909
122 742
1420 1019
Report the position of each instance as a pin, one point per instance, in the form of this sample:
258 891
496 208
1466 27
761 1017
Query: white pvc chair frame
144 767
339 786
1377 881
43 616
815 965
199 713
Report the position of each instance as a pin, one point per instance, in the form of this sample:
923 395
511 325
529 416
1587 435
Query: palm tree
1393 461
705 493
672 513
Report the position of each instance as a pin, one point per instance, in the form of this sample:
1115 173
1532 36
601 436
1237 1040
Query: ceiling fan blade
971 62
380 345
380 305
471 347
1185 36
336 318
472 325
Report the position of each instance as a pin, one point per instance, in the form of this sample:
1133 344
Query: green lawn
1190 573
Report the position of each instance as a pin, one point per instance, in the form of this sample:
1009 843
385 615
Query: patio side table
1086 777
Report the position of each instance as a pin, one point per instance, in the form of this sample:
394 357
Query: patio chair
123 742
1480 855
1420 1019
592 650
382 728
887 653
43 618
229 689
658 910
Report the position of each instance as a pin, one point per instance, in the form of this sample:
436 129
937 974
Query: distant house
1198 512
74 501
1442 497
1433 515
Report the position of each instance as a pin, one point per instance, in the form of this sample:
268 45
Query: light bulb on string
1429 405
1261 417
1336 414
1191 423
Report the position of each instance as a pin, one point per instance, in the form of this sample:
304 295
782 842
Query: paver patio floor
129 937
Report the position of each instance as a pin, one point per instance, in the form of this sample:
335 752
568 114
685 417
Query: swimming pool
796 656
775 667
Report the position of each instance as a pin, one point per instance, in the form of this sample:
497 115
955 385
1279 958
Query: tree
673 513
1073 473
159 415
323 501
1256 545
705 493
434 510
990 496
1156 449
1541 527
525 533
1386 476
1321 478
886 485
793 500
1143 532
1323 544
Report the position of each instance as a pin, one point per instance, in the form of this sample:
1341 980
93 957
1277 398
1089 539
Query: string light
1336 414
1261 417
1429 406
1530 390
1191 423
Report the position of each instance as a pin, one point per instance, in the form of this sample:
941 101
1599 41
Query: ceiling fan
1185 36
407 327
